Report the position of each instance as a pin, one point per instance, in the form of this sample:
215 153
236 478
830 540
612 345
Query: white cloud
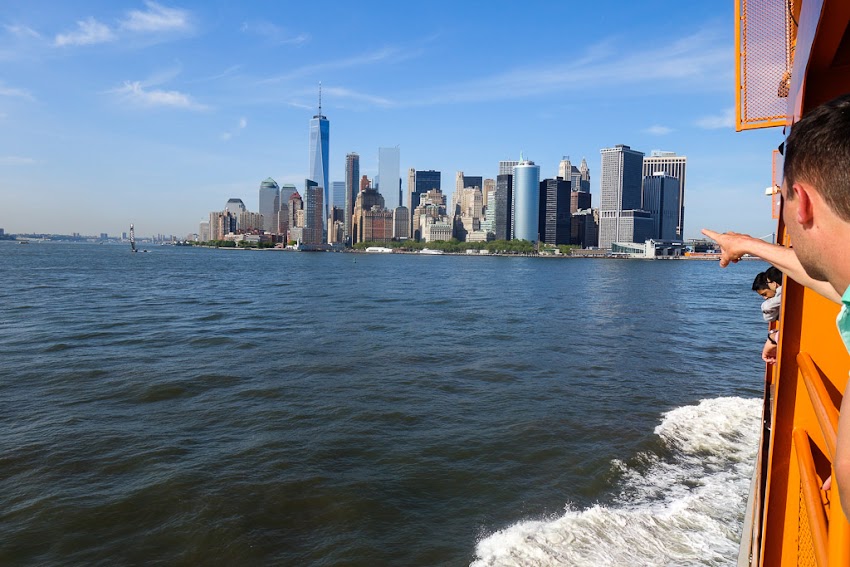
89 32
273 33
138 94
393 54
157 18
22 31
340 92
658 130
14 92
17 160
243 123
716 122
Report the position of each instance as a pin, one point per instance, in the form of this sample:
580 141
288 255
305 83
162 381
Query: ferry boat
791 56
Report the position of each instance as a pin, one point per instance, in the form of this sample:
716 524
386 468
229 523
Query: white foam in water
683 510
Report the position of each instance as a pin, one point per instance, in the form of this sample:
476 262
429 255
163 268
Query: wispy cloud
17 160
392 54
343 93
89 32
22 31
724 120
658 130
695 62
157 18
138 94
274 33
14 92
243 123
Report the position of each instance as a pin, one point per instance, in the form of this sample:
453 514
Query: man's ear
803 196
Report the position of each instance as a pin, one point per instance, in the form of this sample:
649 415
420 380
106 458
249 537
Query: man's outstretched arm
734 245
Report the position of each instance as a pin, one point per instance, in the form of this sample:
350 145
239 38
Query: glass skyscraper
352 188
269 204
526 200
319 133
389 180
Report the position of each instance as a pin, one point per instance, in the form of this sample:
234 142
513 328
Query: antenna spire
320 98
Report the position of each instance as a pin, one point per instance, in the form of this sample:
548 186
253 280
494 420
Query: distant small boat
23 241
429 251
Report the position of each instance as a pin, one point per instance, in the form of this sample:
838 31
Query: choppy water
217 407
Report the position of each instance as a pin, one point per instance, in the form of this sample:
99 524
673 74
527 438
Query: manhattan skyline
155 113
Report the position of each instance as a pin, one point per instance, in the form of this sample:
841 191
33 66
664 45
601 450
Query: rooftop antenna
320 98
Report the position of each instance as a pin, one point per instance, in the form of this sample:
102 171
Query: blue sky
155 113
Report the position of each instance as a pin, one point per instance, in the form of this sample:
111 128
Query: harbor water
223 407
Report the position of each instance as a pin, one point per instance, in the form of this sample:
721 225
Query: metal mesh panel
805 547
764 61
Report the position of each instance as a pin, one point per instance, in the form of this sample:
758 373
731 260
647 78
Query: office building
620 192
674 166
419 183
235 206
555 215
319 138
336 226
269 204
401 223
584 228
367 200
286 191
506 167
503 207
203 232
352 188
295 219
338 194
222 223
526 200
313 218
579 200
661 199
389 180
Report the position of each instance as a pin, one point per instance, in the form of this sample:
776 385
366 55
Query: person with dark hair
769 287
816 211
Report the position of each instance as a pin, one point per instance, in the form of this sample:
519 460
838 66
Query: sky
115 112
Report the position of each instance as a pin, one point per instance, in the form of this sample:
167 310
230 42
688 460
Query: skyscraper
338 194
319 135
503 207
389 182
673 165
352 188
506 167
269 204
555 212
419 183
661 200
620 196
313 207
526 200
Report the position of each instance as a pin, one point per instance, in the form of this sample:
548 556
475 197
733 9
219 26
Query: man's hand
733 245
768 353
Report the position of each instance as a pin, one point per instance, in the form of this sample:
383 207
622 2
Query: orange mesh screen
764 55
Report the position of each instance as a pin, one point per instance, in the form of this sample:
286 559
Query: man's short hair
760 282
817 151
774 275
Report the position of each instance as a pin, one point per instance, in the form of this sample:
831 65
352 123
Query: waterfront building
367 200
419 183
282 219
661 200
336 226
389 180
319 139
526 200
203 232
675 166
377 225
314 221
584 228
432 204
286 191
503 207
222 223
401 223
632 225
249 222
352 179
620 192
269 204
468 211
554 211
435 229
579 200
295 219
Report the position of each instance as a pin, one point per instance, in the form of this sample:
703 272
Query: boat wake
684 508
